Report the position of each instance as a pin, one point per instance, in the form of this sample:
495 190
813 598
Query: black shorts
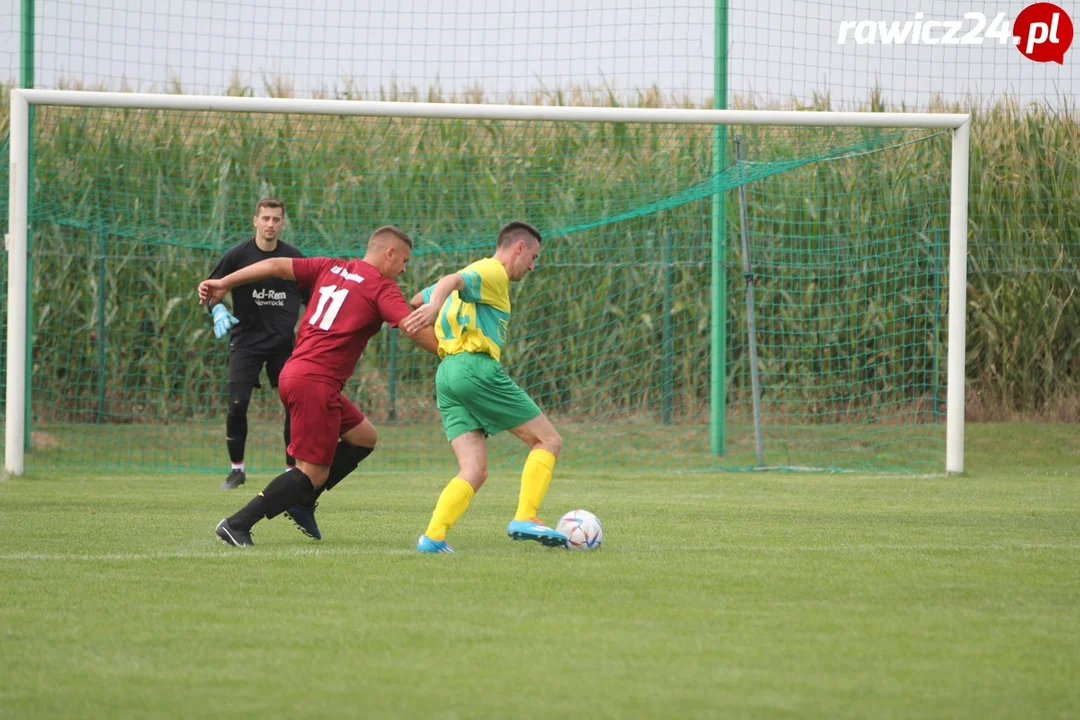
245 366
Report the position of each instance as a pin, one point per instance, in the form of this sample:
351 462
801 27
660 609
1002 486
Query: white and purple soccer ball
582 529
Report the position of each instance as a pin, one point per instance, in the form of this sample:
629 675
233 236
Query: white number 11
337 298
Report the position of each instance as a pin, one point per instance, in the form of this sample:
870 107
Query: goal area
716 289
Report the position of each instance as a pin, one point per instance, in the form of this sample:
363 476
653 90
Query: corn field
132 209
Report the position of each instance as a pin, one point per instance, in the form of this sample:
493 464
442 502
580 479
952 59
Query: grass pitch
715 595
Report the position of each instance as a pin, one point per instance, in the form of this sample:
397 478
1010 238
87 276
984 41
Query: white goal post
16 239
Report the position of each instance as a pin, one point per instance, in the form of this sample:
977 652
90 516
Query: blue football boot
535 530
426 545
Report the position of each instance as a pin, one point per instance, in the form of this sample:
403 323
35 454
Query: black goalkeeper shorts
245 366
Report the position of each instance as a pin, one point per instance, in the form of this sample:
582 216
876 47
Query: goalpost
17 238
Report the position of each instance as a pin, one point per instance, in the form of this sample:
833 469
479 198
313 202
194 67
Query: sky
778 51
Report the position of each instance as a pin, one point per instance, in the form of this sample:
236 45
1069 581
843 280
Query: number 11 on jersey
328 294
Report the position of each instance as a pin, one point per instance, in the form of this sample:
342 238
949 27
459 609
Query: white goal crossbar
16 239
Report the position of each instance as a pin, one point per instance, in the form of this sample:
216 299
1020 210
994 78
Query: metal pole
668 368
26 45
480 111
936 330
102 279
15 434
718 328
955 374
392 372
751 330
26 80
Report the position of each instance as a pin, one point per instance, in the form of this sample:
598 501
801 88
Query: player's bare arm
425 340
212 291
426 315
417 300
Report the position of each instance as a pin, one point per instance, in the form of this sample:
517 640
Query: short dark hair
396 232
513 231
270 202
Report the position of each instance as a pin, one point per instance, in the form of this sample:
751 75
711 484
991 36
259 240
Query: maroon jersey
350 300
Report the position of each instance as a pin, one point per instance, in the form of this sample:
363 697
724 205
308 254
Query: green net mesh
777 50
1024 221
846 231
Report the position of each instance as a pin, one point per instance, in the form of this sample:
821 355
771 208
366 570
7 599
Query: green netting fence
846 232
778 52
1024 231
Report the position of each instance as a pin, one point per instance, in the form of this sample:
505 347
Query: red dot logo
1043 32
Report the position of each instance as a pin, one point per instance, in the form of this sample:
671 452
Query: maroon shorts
318 414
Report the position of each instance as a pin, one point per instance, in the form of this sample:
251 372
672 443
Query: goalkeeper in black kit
261 328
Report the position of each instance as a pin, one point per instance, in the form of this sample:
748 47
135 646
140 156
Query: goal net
781 304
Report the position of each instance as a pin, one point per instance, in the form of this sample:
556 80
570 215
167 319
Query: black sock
284 491
236 424
236 436
250 514
346 458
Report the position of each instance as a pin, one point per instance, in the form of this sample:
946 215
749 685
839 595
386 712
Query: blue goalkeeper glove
223 320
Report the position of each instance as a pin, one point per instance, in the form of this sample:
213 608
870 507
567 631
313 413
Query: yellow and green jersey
475 319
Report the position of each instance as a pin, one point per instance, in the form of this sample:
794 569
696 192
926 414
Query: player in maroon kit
350 300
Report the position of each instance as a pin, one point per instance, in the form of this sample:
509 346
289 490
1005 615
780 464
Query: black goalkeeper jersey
267 309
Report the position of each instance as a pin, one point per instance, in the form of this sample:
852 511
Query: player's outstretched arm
426 315
212 291
425 340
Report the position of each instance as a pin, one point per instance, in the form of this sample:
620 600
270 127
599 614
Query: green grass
420 447
715 595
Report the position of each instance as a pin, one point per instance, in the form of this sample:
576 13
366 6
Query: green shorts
475 393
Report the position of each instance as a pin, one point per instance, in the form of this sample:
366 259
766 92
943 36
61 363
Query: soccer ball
582 529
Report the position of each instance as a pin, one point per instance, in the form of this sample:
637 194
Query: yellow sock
452 504
535 478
